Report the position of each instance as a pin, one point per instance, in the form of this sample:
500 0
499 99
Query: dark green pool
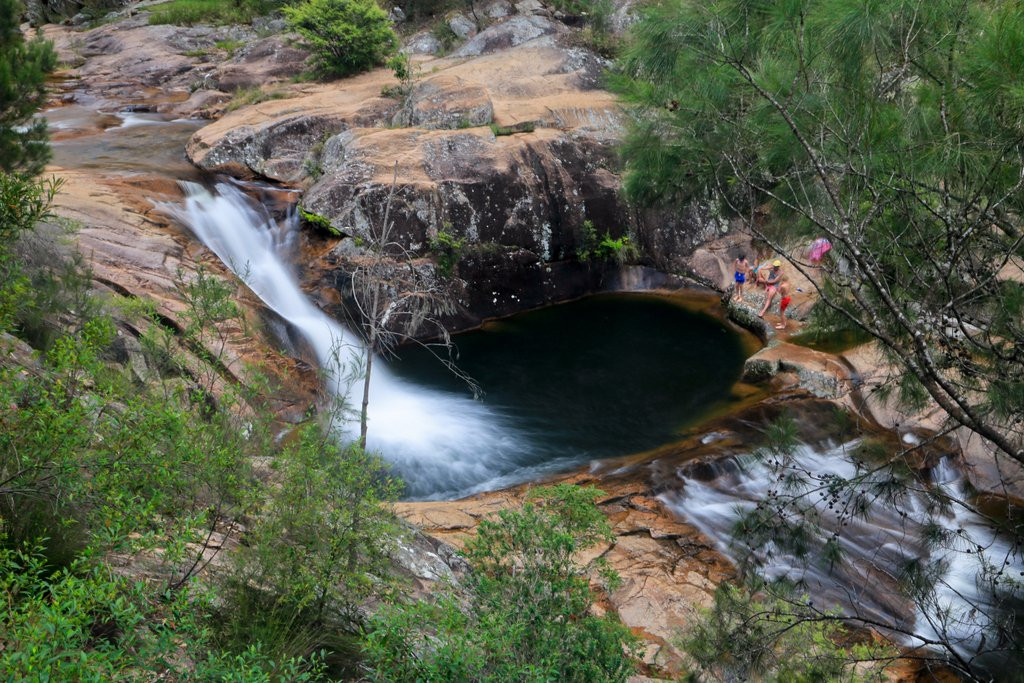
603 376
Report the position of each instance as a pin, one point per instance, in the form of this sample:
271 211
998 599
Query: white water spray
876 546
441 444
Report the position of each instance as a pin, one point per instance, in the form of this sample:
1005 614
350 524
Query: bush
741 638
522 614
448 249
346 36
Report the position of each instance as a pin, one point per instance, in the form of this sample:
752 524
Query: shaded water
607 375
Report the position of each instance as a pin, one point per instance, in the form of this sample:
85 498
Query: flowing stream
880 548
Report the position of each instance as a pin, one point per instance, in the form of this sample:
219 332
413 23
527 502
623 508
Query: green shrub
318 222
446 36
607 248
525 127
742 638
448 249
346 36
245 97
522 614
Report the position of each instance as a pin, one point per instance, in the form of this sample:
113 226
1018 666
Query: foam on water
876 547
441 444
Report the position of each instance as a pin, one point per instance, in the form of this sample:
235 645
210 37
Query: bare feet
780 327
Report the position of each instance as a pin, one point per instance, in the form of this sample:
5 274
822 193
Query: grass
189 12
254 95
229 46
524 127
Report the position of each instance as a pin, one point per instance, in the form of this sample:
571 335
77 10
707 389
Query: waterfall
441 444
876 545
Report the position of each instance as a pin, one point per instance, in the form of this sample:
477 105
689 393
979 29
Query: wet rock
508 34
744 315
529 192
757 370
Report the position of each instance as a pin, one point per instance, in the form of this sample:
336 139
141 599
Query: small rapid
442 444
881 544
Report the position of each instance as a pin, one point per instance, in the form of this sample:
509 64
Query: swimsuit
740 277
784 304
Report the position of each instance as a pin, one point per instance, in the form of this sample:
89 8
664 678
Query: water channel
565 386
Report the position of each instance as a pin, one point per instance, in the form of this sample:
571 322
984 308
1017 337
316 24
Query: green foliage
229 46
741 638
322 539
525 127
448 250
445 35
346 36
607 248
189 12
25 65
318 222
523 613
596 35
893 129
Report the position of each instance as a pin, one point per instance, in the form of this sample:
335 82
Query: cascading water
441 444
961 550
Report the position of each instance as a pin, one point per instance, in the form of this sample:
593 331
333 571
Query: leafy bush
448 249
346 36
740 638
522 614
607 248
445 35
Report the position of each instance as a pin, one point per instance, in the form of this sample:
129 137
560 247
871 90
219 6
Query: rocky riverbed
508 144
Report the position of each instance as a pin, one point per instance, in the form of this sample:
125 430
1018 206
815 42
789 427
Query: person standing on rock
772 283
783 304
739 267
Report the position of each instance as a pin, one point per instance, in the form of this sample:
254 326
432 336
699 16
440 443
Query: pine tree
24 66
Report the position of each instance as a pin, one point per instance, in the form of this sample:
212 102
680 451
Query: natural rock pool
603 376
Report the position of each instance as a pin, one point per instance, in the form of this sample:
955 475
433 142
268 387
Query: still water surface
607 375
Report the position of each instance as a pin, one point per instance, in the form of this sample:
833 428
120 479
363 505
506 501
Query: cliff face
507 145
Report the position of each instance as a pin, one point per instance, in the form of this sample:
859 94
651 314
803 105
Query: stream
569 385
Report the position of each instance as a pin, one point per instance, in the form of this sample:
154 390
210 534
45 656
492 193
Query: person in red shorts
783 305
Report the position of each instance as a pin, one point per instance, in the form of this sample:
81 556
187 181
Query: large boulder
531 191
265 61
446 102
509 34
